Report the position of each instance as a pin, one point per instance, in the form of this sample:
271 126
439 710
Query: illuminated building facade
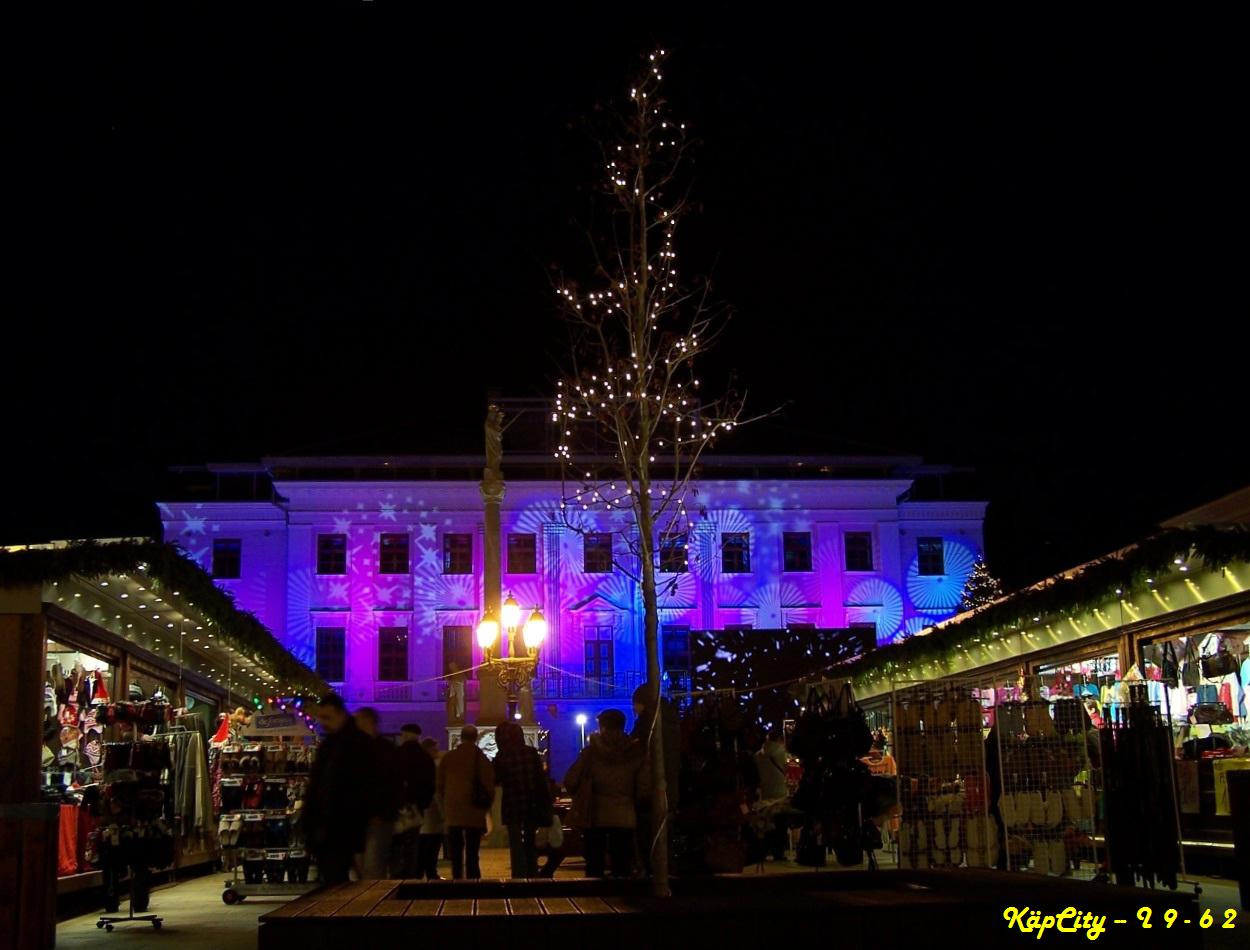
369 570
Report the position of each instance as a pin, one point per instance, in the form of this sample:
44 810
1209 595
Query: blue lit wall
280 585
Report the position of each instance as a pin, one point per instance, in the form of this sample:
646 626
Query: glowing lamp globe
581 719
511 613
535 630
487 632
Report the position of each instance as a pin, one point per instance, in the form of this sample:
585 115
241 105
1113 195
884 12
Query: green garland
1065 596
169 570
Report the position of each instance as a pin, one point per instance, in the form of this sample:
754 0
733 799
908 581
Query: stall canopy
1197 567
152 595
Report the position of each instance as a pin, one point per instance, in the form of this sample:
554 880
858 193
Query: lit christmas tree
981 588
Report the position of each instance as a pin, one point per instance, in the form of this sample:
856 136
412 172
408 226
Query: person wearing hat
615 765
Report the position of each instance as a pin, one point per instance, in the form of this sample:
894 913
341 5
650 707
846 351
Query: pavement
196 919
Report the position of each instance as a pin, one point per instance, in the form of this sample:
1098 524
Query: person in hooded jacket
615 765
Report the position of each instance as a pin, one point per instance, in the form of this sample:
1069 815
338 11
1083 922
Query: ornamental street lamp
515 670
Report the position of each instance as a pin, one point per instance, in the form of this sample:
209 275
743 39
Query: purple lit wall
280 584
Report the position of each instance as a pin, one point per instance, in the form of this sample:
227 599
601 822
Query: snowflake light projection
940 593
882 601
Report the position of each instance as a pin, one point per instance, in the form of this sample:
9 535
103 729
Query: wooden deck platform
868 909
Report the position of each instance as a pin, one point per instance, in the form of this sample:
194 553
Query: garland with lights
1132 570
168 570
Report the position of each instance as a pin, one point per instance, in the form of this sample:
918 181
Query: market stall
130 646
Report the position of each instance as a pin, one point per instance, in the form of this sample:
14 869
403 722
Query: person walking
669 725
416 778
466 783
773 766
338 804
385 797
614 767
526 805
430 840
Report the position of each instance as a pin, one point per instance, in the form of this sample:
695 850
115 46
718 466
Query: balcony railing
392 692
550 684
557 685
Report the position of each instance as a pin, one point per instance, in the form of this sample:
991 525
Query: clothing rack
128 818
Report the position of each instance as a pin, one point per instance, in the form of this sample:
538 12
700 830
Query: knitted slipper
1054 809
1006 809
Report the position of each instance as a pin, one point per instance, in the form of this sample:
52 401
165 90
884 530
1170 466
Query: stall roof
148 592
1131 569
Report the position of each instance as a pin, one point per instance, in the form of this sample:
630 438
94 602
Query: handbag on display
1169 665
1210 714
1191 672
1219 664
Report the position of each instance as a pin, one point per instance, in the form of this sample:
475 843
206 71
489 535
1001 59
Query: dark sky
1004 246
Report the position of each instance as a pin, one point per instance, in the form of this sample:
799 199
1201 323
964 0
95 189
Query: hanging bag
1191 672
1169 664
1219 664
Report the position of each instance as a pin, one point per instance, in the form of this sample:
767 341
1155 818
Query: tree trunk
659 783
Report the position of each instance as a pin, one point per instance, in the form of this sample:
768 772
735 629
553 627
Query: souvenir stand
261 766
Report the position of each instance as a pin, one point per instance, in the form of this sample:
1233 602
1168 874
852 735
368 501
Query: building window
859 551
597 553
932 556
735 552
522 554
600 662
331 554
457 649
796 551
673 554
227 558
393 654
675 648
393 554
457 554
331 653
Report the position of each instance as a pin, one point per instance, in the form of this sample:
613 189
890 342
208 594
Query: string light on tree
631 387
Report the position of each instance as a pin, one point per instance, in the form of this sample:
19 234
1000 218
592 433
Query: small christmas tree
981 588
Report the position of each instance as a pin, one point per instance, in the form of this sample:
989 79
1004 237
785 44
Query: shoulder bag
480 797
581 811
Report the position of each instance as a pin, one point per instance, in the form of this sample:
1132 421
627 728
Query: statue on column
494 443
455 694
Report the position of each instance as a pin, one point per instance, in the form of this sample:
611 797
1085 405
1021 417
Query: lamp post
581 724
516 669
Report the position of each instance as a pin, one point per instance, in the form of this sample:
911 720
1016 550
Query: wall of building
280 584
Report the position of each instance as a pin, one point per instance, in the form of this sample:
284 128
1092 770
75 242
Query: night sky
1011 247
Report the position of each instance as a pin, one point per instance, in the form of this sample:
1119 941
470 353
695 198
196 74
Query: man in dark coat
338 803
416 777
386 799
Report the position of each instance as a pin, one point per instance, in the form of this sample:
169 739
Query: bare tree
633 415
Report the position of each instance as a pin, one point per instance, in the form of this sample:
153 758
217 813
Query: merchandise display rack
943 790
130 819
269 861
